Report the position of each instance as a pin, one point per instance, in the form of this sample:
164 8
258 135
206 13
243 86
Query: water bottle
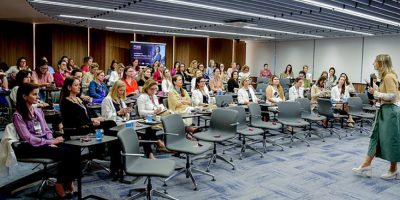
99 134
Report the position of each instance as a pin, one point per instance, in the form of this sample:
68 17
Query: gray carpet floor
321 171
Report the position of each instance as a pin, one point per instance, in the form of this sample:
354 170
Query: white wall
380 45
353 56
296 53
259 53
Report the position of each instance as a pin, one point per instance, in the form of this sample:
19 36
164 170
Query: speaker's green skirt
385 136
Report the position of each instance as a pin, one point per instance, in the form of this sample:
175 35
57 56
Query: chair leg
161 194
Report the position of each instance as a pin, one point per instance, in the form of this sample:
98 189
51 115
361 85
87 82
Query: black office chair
325 108
46 179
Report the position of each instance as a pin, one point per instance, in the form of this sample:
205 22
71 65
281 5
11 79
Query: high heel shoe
363 171
389 175
59 189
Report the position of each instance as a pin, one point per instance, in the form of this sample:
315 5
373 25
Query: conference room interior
289 149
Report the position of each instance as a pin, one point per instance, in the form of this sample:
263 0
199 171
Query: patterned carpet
322 171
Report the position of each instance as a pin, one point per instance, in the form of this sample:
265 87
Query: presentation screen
147 53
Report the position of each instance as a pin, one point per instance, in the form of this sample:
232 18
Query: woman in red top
60 75
129 80
157 76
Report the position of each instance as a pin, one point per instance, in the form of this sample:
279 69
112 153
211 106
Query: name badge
37 127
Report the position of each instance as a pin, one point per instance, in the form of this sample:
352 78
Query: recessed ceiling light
350 12
168 27
238 12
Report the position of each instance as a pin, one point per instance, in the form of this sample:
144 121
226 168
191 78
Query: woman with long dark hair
32 128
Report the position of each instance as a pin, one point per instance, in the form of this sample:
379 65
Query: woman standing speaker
385 138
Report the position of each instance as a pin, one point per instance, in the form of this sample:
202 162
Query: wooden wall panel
118 47
240 52
16 40
160 39
98 47
188 49
221 51
69 41
54 41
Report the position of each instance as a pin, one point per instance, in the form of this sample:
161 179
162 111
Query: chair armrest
174 134
132 154
147 141
234 124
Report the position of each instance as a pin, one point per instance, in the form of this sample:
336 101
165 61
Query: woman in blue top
97 88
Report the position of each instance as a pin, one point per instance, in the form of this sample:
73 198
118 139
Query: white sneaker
389 175
363 171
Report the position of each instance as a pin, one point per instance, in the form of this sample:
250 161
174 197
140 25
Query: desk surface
75 141
122 126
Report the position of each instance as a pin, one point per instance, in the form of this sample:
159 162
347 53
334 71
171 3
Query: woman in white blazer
246 92
166 83
296 91
148 105
200 95
113 106
340 93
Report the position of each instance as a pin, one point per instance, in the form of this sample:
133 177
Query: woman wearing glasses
148 105
200 94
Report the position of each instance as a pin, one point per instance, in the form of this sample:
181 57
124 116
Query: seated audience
130 82
274 92
136 67
87 62
41 75
97 88
245 72
306 82
340 93
349 85
246 92
224 74
113 73
198 73
23 77
216 84
175 68
148 105
200 95
77 73
158 73
179 100
144 76
288 73
88 77
32 128
76 121
13 70
308 75
331 79
265 72
319 90
3 81
232 69
233 82
297 90
181 71
113 106
166 84
60 75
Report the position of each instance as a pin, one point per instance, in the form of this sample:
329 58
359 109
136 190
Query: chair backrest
222 120
305 105
262 80
289 110
129 144
355 104
165 102
241 116
285 82
255 112
262 87
173 124
325 107
223 100
188 87
364 98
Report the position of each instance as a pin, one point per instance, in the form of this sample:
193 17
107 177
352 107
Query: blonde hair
94 65
148 84
192 63
279 87
142 77
385 65
243 79
244 67
114 91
